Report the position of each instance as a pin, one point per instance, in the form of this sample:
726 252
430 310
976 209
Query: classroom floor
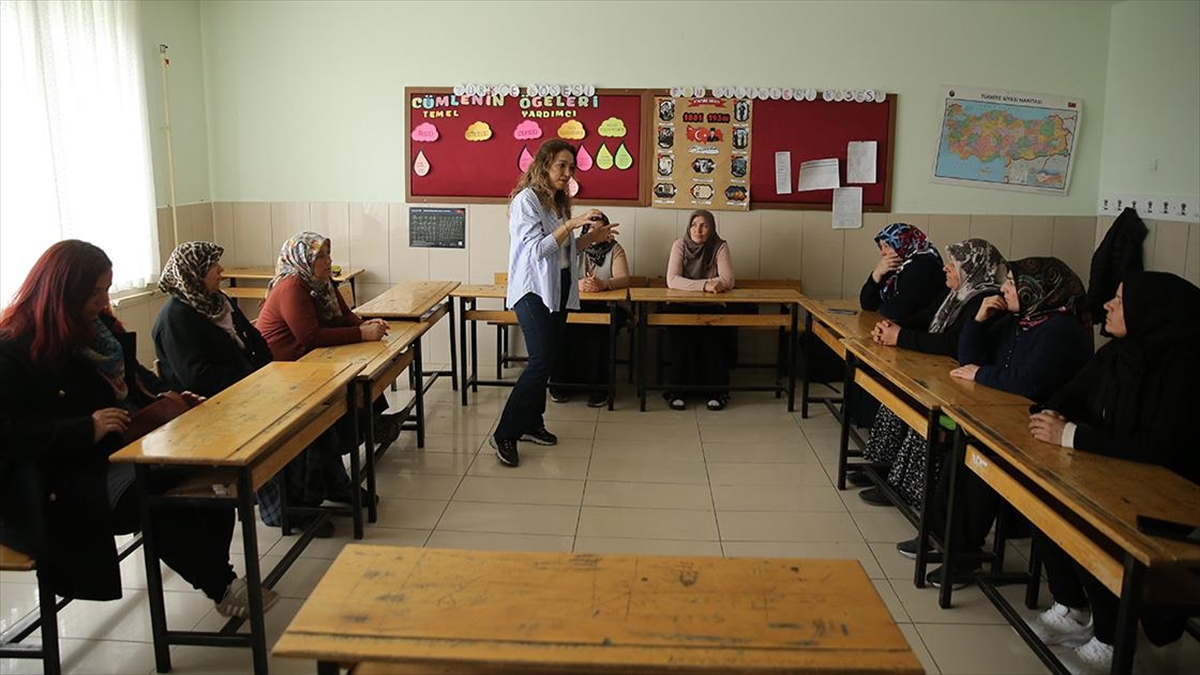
752 480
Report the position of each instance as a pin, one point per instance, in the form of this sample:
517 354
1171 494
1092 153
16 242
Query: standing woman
542 285
700 261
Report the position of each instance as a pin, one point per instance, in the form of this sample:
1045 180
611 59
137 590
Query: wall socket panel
1152 207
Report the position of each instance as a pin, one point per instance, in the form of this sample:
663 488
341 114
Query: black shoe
325 530
343 497
559 397
718 402
874 497
908 549
960 578
541 437
858 479
676 402
597 400
388 429
506 451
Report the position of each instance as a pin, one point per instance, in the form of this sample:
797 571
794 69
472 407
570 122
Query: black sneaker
718 402
874 497
597 400
858 479
677 403
960 578
541 437
506 451
908 549
560 397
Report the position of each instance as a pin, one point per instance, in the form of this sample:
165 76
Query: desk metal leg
612 353
805 381
356 465
847 415
501 349
154 582
462 351
372 509
328 668
641 340
474 354
420 392
931 444
957 458
454 371
791 363
258 628
1127 616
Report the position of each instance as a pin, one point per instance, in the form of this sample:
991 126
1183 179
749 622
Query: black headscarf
698 259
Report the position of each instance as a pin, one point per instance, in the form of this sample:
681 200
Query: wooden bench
45 618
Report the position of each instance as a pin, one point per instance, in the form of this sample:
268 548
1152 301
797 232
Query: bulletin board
445 167
820 130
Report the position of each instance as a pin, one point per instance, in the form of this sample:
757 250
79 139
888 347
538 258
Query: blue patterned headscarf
908 242
297 257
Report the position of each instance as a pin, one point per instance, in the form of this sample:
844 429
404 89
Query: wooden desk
468 296
424 301
236 441
266 273
381 362
827 321
1087 504
646 299
580 613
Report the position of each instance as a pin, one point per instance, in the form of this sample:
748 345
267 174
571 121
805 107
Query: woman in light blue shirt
542 276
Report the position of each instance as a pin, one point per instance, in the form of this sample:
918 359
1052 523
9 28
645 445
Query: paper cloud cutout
572 130
478 131
613 127
527 131
425 132
583 159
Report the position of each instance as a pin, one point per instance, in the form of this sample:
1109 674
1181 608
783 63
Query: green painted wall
1152 105
305 98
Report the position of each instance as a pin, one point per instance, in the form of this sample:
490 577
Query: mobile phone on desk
1168 529
839 310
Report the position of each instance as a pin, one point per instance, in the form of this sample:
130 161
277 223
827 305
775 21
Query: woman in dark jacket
907 279
1132 401
974 271
205 344
69 385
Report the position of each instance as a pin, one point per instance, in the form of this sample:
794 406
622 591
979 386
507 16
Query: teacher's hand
579 221
599 234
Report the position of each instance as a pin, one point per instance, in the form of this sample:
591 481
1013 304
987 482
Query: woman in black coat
1134 401
70 384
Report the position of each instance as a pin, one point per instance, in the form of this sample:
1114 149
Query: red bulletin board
462 171
819 130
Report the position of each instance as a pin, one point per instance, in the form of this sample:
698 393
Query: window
74 139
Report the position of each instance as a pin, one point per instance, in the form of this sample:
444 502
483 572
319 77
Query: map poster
1007 140
702 153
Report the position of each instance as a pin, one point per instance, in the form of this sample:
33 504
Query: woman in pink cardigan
701 356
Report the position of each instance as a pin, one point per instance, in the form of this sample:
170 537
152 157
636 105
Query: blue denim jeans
543 332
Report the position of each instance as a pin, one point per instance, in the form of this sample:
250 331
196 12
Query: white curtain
74 142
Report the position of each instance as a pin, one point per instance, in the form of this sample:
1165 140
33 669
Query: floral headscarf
908 242
183 277
1045 287
981 270
296 258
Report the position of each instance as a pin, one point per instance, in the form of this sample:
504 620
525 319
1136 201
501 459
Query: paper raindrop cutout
613 127
604 158
527 131
478 131
573 187
572 130
524 160
425 133
583 159
623 160
421 164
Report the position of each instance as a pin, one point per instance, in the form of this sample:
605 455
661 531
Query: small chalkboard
437 228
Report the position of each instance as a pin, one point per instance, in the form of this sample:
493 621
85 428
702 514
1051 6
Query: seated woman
585 358
70 384
1030 341
700 356
974 271
1133 401
204 344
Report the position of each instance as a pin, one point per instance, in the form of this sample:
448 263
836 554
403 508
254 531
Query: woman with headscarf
1132 400
605 268
974 271
205 343
907 279
1029 341
700 356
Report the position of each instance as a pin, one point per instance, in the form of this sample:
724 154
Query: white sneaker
1093 658
1061 625
236 602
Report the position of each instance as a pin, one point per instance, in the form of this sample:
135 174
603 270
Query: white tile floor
752 480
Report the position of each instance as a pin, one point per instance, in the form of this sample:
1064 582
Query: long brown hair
49 305
537 176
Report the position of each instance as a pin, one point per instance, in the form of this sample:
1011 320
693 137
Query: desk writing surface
234 427
575 612
265 273
370 356
406 300
857 325
1108 493
926 377
500 291
737 295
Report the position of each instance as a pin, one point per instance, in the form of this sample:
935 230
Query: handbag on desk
165 408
